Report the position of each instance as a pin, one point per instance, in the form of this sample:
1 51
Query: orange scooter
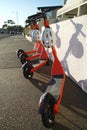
50 100
37 49
29 67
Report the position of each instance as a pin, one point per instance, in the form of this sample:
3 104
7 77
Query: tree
4 26
9 23
11 27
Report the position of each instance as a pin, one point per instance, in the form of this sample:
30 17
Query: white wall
71 42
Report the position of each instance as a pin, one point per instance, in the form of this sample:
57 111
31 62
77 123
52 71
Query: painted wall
71 42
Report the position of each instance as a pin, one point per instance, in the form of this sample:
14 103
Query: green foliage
26 30
12 28
15 29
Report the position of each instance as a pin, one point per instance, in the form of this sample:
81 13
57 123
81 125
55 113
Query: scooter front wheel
26 71
48 114
23 58
19 52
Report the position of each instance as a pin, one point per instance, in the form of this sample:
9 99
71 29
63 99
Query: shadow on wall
83 85
75 47
58 40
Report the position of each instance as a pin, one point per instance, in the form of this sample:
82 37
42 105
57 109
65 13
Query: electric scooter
50 100
37 49
29 68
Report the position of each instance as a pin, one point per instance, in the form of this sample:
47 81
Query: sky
19 10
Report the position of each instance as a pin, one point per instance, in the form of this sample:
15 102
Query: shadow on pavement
39 84
42 78
74 98
58 126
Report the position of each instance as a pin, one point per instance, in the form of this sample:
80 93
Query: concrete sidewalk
5 35
19 97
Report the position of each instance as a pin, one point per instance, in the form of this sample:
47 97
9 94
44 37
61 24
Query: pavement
4 35
19 97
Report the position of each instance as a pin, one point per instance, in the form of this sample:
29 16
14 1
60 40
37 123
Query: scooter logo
47 37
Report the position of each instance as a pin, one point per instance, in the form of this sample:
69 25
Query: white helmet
47 37
36 36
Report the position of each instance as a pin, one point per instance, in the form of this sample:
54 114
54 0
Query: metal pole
17 22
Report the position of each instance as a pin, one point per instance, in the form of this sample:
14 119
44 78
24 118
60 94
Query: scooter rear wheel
47 114
26 71
19 52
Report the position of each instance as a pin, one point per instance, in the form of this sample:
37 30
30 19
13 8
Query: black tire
23 58
48 62
26 71
47 114
19 52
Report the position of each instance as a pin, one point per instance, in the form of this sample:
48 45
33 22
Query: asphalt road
19 97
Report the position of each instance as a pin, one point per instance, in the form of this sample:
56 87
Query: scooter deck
33 57
38 63
54 87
